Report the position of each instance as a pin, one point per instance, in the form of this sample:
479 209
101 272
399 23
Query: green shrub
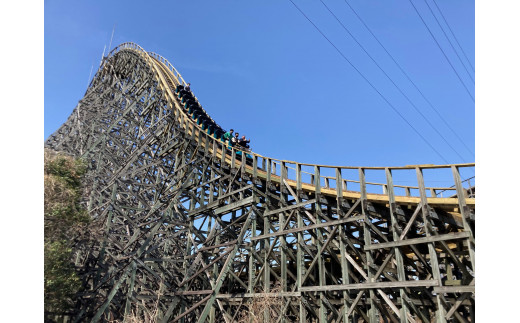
61 280
64 220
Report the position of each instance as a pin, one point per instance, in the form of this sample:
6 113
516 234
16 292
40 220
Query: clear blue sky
263 69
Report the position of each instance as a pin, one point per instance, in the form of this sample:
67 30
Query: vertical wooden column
283 240
199 134
212 175
252 250
372 314
255 167
203 175
464 210
300 265
242 171
223 149
268 173
222 166
215 275
233 159
267 241
206 142
211 186
342 250
182 123
319 244
395 235
187 252
214 150
440 312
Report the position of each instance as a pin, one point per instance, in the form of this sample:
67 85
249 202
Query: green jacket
227 136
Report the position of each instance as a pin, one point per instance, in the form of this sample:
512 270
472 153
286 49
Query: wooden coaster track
201 233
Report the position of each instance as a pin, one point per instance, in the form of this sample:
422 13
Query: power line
373 87
449 41
449 62
389 78
409 79
451 31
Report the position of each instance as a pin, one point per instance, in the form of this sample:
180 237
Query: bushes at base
61 280
64 218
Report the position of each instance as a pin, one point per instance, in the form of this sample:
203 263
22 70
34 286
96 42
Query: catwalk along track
201 233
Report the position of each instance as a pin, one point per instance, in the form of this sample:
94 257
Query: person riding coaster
186 97
218 133
202 120
210 128
184 90
192 105
189 103
197 114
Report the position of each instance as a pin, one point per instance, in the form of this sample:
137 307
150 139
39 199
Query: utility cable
373 87
438 45
390 79
449 41
451 31
409 79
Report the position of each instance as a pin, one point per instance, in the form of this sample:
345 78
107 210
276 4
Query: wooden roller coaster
201 231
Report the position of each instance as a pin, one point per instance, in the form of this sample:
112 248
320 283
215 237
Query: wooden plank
288 208
250 295
382 285
217 246
308 227
407 242
234 206
454 289
193 292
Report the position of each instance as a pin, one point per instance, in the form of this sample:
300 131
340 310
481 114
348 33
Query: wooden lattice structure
198 233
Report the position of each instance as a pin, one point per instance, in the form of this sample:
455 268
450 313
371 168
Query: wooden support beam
407 242
376 285
209 230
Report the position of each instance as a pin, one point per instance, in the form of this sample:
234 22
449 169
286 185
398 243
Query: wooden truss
196 232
